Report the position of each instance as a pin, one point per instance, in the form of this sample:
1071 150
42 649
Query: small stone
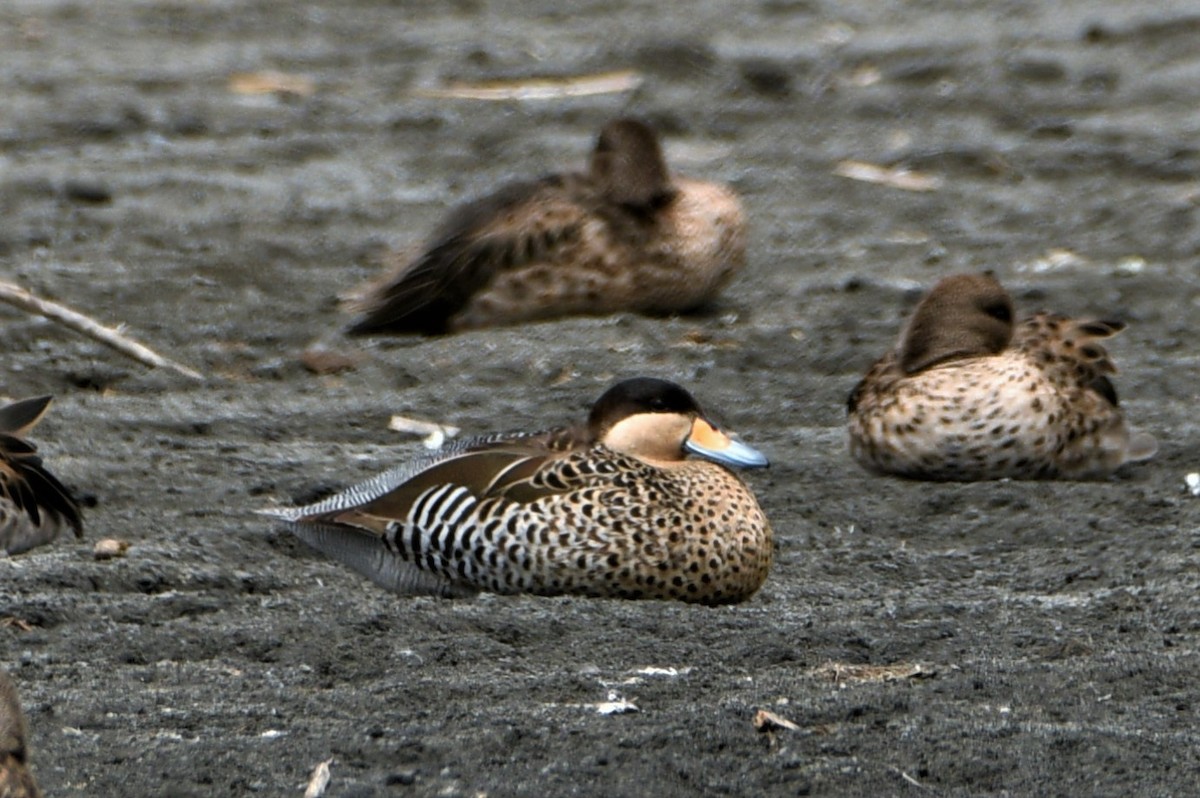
327 361
404 777
109 548
87 191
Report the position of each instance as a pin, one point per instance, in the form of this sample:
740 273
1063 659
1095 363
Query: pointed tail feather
370 556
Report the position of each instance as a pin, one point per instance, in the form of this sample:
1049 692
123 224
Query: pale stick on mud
110 337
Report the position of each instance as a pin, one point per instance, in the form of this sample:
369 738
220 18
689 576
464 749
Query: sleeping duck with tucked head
967 394
638 502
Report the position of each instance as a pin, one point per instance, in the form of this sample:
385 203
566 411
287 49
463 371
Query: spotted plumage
34 505
611 508
967 395
16 781
624 236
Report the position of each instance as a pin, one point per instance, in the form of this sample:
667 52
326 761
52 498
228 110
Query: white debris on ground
435 433
616 704
319 780
653 671
1192 481
109 548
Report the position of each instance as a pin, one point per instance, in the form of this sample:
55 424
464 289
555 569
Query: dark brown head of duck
628 165
965 315
658 421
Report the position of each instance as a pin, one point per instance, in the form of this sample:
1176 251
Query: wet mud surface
1055 625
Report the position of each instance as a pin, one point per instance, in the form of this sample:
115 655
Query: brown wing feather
500 466
1072 348
519 223
27 484
21 416
474 471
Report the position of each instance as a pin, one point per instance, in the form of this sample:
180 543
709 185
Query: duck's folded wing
380 502
360 526
517 225
485 465
1073 348
26 483
482 463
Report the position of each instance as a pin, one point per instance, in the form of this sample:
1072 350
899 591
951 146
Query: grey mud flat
1041 639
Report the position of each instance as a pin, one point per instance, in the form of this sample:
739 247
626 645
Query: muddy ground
1042 638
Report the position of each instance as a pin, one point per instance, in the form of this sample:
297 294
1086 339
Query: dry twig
894 176
435 433
767 721
539 88
271 82
841 672
110 337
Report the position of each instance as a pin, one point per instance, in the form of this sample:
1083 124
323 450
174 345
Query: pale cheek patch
653 436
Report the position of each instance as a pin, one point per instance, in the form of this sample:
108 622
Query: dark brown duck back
623 236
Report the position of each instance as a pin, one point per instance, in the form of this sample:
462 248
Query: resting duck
15 779
610 508
34 505
967 396
624 236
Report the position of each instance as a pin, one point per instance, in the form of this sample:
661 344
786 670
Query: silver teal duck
968 395
624 236
16 781
614 507
34 506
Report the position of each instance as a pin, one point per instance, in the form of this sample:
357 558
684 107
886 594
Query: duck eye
999 311
657 404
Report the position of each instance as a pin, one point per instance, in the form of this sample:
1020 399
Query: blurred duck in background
624 236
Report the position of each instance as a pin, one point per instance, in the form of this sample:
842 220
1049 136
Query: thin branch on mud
110 337
615 82
767 721
271 82
894 176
